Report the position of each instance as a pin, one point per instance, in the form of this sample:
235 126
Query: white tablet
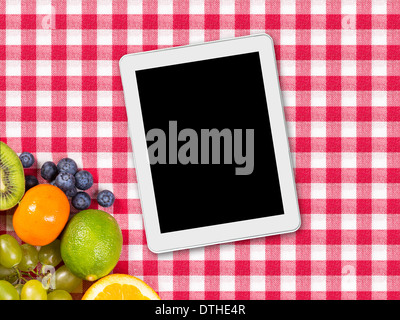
209 141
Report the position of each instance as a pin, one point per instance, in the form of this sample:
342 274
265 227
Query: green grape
33 290
59 295
66 280
30 258
10 251
6 272
50 254
7 291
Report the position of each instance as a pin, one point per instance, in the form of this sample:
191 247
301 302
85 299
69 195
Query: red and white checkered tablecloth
339 63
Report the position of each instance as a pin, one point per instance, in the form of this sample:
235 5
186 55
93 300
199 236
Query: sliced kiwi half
12 178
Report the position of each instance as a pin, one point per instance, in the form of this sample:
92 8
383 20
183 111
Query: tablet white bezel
163 242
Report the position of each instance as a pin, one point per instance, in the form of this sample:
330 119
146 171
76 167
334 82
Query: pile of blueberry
65 175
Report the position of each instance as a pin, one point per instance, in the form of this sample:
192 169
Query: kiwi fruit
12 178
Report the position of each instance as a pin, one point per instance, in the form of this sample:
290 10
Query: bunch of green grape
28 272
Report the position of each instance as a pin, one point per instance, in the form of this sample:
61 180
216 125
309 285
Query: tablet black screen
209 142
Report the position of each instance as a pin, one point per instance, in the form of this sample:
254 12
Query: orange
120 287
41 215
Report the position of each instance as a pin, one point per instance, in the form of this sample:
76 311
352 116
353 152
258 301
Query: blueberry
83 180
27 159
67 165
30 182
65 181
71 192
49 171
105 198
81 201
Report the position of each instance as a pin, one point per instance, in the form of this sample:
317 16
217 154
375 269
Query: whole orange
41 215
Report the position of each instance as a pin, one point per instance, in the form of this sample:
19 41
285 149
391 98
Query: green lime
91 244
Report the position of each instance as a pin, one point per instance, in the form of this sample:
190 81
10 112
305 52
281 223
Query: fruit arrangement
58 252
29 273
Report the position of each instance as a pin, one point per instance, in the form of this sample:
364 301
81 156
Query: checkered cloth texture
61 95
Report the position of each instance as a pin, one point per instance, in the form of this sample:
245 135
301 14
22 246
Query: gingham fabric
61 95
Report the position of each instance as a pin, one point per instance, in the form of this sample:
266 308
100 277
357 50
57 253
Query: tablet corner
122 60
267 37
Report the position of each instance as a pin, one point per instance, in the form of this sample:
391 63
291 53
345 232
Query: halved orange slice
120 287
